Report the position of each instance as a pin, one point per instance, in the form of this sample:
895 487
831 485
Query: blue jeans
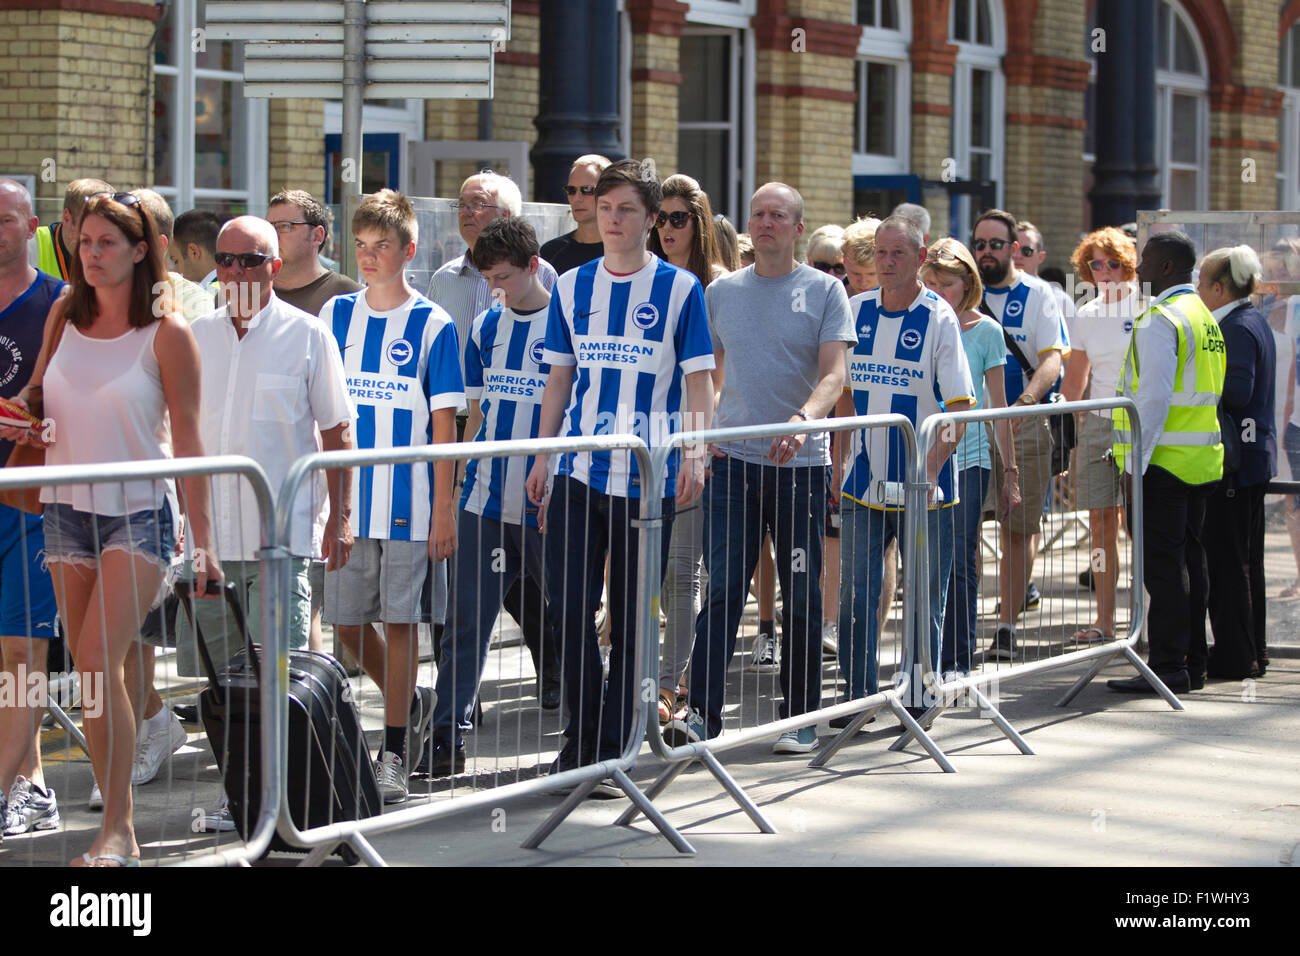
865 533
583 526
480 588
963 589
742 502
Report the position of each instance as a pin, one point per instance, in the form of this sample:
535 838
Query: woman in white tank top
122 385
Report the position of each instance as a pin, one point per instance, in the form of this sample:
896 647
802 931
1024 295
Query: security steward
1174 373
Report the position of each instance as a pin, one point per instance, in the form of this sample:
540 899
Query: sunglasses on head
678 219
249 260
834 268
1096 265
997 245
585 190
130 200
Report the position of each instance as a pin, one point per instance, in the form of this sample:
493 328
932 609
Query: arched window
1288 121
882 80
978 98
1182 110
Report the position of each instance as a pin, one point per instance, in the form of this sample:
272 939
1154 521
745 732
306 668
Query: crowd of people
652 316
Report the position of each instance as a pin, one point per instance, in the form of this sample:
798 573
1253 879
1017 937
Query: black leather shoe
839 723
551 694
1176 681
447 761
1195 683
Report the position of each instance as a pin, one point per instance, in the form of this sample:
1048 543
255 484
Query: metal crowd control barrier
157 821
323 840
943 694
862 709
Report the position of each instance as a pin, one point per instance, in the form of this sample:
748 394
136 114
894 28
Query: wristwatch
802 414
1026 398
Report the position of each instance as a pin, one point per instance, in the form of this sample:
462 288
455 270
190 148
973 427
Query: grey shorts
316 578
381 582
1095 477
221 635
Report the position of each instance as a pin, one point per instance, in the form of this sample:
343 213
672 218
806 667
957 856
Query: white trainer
30 808
393 778
152 750
765 656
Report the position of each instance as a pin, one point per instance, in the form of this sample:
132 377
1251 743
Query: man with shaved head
780 333
271 375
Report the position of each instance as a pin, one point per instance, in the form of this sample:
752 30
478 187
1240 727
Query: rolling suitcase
331 777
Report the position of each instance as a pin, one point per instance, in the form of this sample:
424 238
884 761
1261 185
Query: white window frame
1169 83
407 122
740 128
183 194
890 47
735 14
976 56
1288 160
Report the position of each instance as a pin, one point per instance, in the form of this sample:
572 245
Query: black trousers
1234 546
1174 571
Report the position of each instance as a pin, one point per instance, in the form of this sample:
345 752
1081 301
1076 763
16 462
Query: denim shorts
80 538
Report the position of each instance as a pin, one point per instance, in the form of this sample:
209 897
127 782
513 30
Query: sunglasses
997 245
473 206
834 268
1026 250
1096 265
249 260
574 190
130 200
678 219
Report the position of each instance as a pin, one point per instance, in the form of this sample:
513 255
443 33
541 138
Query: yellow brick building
857 103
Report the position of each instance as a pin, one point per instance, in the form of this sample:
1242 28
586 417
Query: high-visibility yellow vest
50 258
1190 447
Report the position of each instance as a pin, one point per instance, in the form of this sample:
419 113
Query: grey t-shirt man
770 331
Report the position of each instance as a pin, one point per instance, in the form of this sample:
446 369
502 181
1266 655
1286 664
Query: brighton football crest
1014 308
910 339
535 351
645 315
400 351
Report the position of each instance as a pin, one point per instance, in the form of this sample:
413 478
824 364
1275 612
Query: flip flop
1091 635
1291 591
105 860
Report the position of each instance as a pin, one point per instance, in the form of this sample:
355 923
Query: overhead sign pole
354 81
353 50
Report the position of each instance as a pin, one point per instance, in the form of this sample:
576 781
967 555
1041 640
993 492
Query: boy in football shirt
908 360
497 526
401 357
628 343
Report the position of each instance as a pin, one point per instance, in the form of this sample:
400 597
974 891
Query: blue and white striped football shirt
906 363
1030 312
633 338
505 372
400 365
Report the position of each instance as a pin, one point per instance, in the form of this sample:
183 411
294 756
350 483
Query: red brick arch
1217 36
1290 14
